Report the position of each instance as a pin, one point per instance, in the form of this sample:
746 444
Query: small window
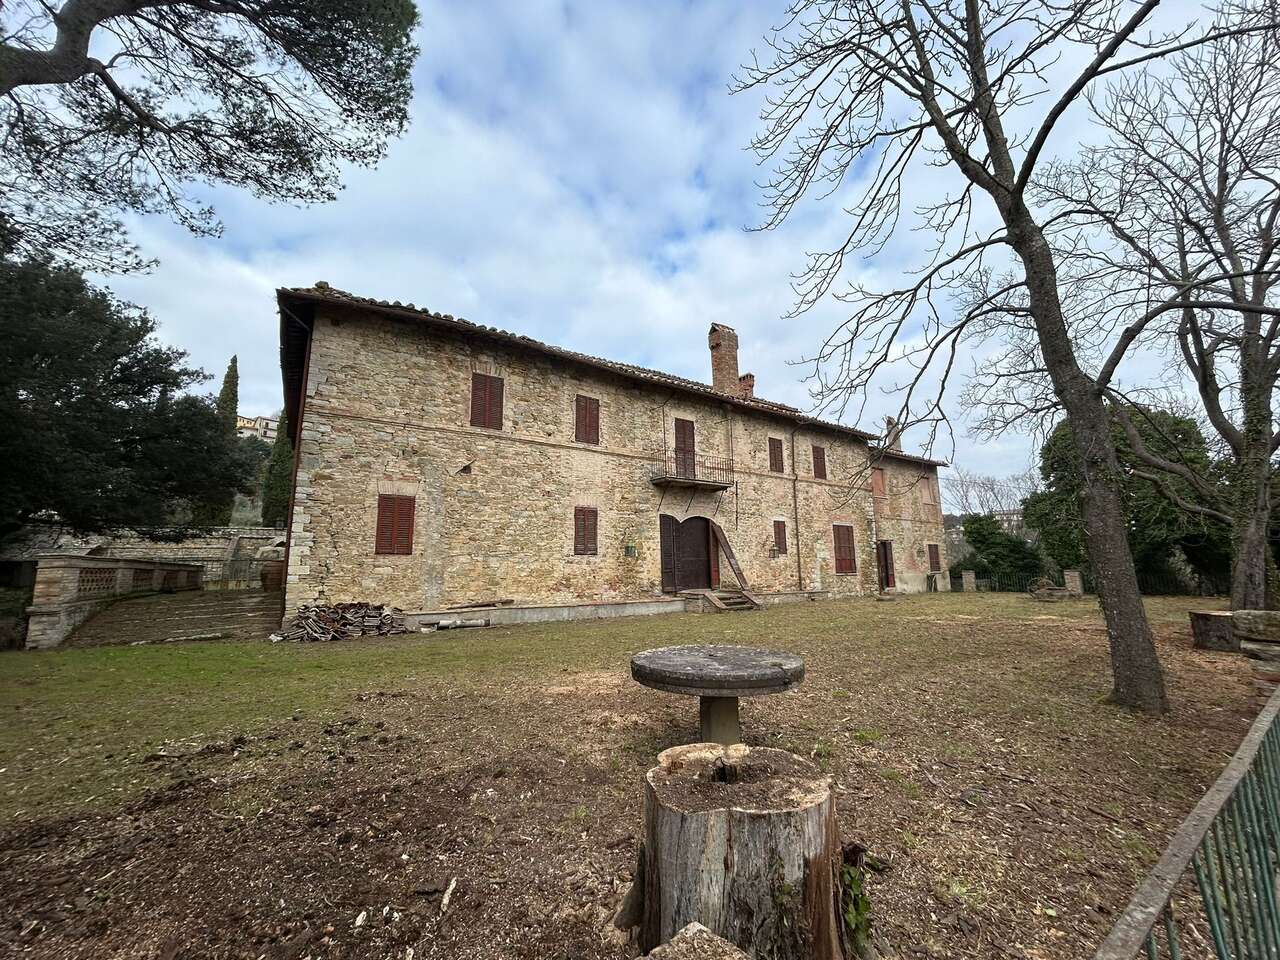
780 536
584 531
935 558
877 481
486 401
842 534
819 462
775 455
394 533
586 419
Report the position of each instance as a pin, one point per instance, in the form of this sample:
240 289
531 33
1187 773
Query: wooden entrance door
685 550
884 560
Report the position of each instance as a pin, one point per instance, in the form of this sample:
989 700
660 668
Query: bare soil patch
479 796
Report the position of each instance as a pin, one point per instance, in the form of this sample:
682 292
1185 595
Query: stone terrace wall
387 411
70 589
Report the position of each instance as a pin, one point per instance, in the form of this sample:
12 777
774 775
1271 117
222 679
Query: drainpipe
795 511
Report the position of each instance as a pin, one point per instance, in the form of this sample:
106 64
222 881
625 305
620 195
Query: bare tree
871 90
968 491
111 106
1174 225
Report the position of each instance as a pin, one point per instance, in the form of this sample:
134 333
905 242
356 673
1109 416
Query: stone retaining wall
70 589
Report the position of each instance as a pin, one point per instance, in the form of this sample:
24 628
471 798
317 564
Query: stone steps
153 619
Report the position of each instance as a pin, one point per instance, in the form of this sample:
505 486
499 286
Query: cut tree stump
744 841
1212 630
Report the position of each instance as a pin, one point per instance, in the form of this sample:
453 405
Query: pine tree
278 482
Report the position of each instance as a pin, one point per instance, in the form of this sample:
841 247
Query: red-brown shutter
486 401
404 525
775 455
684 451
586 415
394 530
935 559
780 535
584 530
843 537
819 462
667 527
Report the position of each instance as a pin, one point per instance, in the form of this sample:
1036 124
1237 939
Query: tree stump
744 841
1212 630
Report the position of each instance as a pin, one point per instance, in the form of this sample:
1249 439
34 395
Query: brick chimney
723 342
892 434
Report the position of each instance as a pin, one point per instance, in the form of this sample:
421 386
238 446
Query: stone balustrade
70 589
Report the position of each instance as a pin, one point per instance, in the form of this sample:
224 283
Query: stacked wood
316 623
696 942
1258 633
743 841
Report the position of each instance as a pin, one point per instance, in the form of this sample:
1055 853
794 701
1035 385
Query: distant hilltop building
442 463
262 427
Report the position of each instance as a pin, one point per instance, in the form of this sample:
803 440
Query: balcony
682 469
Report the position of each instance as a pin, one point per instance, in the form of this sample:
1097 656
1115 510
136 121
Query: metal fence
1149 584
1230 844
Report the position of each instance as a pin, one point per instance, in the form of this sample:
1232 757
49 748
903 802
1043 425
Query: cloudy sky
574 172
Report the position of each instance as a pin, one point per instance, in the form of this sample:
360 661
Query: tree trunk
743 841
1137 680
1252 481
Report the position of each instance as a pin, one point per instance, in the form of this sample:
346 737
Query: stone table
718 675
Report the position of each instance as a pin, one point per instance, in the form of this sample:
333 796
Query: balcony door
884 560
684 455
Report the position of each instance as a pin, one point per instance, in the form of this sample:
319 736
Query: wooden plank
729 555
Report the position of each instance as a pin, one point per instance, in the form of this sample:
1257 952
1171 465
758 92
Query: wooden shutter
394 530
486 401
877 482
935 559
586 417
584 530
775 455
884 554
819 462
684 449
845 558
780 535
667 527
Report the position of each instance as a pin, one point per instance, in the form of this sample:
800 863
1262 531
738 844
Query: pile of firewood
342 621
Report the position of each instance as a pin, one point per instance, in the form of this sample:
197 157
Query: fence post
1074 583
970 578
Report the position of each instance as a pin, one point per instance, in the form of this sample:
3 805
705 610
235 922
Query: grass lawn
249 799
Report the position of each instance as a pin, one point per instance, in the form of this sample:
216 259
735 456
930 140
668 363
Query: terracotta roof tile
322 292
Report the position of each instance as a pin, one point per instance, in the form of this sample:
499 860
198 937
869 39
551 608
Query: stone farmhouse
441 463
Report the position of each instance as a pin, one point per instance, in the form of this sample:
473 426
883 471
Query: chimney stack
892 434
723 342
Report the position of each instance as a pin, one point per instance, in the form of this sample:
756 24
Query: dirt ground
476 793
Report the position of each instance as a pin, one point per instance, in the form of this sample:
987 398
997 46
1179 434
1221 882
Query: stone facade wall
387 410
910 516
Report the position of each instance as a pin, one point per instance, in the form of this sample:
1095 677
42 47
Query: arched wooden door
686 553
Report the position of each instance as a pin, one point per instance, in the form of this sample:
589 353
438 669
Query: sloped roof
323 293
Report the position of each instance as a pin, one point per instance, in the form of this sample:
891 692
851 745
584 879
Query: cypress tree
216 510
278 481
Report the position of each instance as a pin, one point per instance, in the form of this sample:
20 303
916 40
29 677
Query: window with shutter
842 535
877 482
684 450
394 530
780 536
486 401
935 558
775 455
586 417
819 462
584 531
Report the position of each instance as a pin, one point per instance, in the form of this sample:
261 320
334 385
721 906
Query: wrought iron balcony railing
685 469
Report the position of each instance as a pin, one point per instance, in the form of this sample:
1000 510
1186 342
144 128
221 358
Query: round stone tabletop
713 670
